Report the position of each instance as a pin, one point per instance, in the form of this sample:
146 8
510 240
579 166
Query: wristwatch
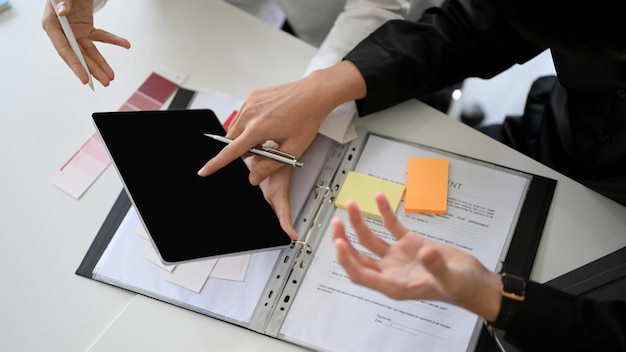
513 292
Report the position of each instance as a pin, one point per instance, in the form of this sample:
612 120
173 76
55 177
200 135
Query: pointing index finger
230 152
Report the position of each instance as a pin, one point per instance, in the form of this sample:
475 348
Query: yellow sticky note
427 185
362 189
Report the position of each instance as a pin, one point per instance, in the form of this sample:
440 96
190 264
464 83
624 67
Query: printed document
331 313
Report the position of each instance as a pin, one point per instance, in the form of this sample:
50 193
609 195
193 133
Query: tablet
157 155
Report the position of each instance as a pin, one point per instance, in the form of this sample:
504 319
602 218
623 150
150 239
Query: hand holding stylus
270 153
69 25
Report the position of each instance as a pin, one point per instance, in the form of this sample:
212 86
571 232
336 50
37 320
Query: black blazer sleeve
462 38
552 320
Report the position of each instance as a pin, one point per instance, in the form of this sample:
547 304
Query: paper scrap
363 188
427 185
150 253
223 105
231 268
141 231
192 275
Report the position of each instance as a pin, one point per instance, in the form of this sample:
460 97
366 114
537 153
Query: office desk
46 116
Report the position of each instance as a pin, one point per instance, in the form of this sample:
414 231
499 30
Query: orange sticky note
427 185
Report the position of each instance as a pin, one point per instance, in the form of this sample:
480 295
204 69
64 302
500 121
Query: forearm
358 19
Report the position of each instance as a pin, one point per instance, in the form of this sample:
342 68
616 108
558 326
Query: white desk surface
46 117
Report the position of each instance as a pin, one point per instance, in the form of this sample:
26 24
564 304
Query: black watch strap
513 291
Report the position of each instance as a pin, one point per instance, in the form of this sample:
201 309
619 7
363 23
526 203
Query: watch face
513 287
513 292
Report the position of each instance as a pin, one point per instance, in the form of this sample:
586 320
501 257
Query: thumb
280 204
444 283
62 7
262 169
433 261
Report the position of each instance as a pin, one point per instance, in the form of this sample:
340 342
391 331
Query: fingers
81 22
103 36
237 148
346 254
358 266
52 26
62 7
276 192
230 152
280 203
269 114
98 66
287 226
366 238
390 220
58 38
263 167
67 54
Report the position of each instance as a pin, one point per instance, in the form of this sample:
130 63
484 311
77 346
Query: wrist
513 293
488 304
339 83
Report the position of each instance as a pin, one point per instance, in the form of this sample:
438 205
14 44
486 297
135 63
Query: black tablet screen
158 154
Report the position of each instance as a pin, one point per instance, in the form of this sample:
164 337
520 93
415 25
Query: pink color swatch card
84 167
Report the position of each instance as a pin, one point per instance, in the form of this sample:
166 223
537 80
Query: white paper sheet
221 104
333 314
123 264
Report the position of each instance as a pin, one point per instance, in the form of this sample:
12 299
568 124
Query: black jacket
583 134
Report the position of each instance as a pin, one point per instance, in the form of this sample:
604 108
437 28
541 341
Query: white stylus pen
266 152
65 24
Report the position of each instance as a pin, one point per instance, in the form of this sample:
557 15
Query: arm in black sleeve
552 320
461 39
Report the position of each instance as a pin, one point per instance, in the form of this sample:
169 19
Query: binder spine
314 222
317 222
307 224
274 287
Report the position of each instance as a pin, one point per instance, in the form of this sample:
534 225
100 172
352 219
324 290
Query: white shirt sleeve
98 4
358 19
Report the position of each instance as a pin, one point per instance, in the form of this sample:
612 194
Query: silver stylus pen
71 39
270 153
